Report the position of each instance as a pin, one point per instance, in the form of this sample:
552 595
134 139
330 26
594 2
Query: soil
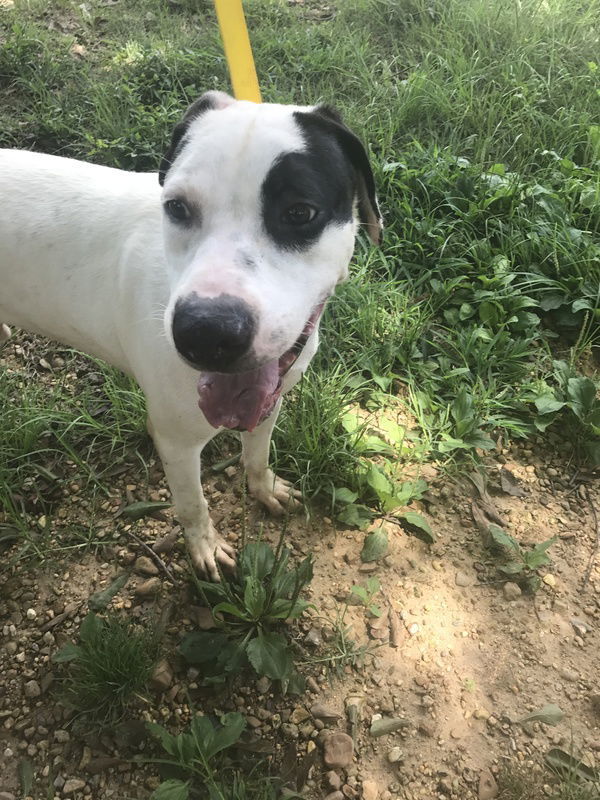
458 657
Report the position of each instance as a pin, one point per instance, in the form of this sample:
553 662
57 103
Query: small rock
380 727
319 711
463 579
7 796
299 715
333 780
73 785
61 736
512 591
231 471
145 566
162 676
335 796
314 638
394 755
567 674
370 790
263 685
148 588
427 729
549 580
488 788
481 713
203 617
32 689
31 614
289 730
338 749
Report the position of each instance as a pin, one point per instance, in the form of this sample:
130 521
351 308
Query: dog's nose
213 333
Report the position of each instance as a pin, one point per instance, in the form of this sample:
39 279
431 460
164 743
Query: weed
112 663
367 593
198 764
248 609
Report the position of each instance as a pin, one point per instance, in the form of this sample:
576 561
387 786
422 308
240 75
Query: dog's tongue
239 400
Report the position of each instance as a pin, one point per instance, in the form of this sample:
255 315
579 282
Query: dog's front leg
273 492
181 462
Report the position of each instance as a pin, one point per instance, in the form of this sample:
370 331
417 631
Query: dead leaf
509 484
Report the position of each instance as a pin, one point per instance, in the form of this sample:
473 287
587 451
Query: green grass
482 306
111 664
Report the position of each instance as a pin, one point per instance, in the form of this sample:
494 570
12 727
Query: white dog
208 292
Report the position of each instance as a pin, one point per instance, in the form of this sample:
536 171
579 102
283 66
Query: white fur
88 257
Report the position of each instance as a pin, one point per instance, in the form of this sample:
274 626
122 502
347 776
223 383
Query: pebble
319 711
162 676
263 685
61 736
333 780
290 731
488 788
299 715
511 591
370 790
32 689
144 565
463 579
338 750
549 580
567 674
148 588
31 614
335 796
73 785
380 727
394 755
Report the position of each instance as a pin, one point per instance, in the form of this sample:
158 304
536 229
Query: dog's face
260 212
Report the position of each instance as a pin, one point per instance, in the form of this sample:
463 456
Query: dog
205 283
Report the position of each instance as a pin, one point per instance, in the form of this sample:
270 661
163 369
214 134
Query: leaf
201 647
171 790
343 495
255 596
375 546
510 484
232 726
567 765
269 654
99 600
91 628
550 714
167 740
355 516
582 395
418 525
144 508
537 556
504 541
67 652
378 481
547 404
25 772
257 559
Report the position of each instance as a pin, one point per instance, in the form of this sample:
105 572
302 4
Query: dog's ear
368 207
209 100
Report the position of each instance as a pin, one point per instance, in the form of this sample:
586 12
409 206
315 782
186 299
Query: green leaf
418 525
355 516
512 568
99 600
201 647
91 628
143 509
25 772
582 395
480 439
361 592
67 652
257 559
537 556
550 714
375 546
547 404
378 481
488 313
171 790
504 541
255 597
167 740
343 495
269 654
232 726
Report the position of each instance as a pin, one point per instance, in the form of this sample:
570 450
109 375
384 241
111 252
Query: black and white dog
208 292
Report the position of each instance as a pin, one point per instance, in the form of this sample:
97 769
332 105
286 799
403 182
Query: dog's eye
177 210
299 214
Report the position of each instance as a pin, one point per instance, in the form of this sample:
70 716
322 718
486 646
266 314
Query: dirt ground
457 659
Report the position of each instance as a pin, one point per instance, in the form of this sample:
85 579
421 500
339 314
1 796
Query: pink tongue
239 400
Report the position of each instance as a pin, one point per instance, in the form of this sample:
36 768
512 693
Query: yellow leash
238 51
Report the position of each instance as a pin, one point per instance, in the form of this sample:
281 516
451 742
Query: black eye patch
304 192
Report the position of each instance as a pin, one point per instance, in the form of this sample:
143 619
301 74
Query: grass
111 664
482 306
518 782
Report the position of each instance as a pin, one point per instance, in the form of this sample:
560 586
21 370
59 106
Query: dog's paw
274 493
208 551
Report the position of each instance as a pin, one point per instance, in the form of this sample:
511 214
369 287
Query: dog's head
261 206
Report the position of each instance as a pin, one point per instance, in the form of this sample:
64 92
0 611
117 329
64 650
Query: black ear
368 207
209 100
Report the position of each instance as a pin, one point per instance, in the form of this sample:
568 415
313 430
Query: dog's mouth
241 401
